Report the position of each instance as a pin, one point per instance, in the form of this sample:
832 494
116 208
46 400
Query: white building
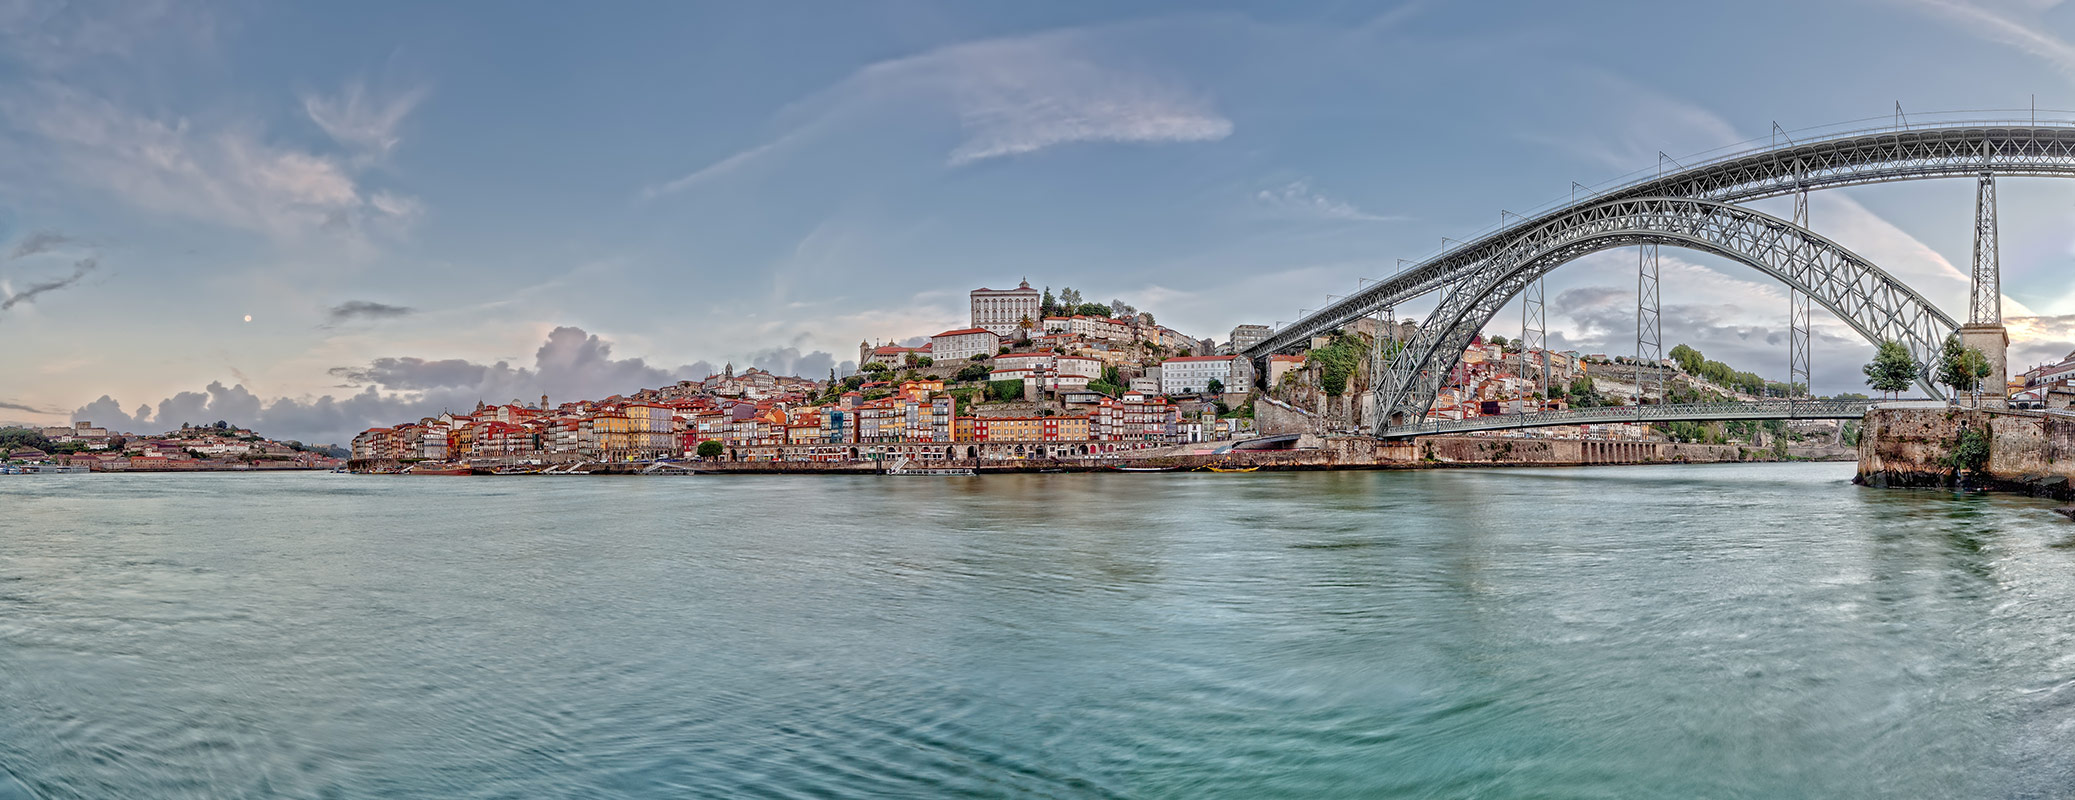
1193 374
1003 310
1246 336
962 345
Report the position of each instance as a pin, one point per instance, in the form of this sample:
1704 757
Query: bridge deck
1683 412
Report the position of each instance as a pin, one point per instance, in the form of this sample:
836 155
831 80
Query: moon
248 317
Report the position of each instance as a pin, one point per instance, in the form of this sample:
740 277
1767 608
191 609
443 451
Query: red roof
962 331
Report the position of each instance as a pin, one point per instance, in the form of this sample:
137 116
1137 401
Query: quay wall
1319 453
2031 452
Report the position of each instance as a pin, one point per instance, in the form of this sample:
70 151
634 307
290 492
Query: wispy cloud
26 408
1298 197
1016 96
38 242
79 270
716 169
366 309
358 120
1010 96
229 176
1985 23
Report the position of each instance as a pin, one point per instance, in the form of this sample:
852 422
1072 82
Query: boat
901 468
1145 469
421 469
1232 469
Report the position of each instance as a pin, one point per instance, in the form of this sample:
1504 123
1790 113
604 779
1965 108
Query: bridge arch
2033 148
1872 302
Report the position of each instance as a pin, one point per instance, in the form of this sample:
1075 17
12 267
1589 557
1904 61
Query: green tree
1005 391
1688 359
1582 393
1960 366
875 369
973 372
1893 368
1049 305
1092 310
1337 362
1215 386
925 361
1496 340
710 448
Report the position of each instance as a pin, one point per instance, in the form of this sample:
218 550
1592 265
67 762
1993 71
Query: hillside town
1034 375
1038 375
86 447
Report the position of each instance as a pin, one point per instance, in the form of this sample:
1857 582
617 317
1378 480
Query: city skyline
313 220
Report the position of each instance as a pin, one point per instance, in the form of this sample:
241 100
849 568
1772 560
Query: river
1763 630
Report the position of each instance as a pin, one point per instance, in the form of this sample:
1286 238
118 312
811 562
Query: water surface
1703 631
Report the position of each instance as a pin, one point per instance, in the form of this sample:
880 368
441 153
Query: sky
314 218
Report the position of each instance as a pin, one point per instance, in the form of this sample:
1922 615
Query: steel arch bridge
1871 301
1470 272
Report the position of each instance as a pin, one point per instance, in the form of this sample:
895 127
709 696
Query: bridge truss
1467 274
1871 301
1676 412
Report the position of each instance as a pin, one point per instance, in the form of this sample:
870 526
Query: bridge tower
1798 316
1534 337
1649 330
1984 330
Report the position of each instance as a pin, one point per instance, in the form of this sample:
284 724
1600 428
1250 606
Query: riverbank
2027 452
1307 454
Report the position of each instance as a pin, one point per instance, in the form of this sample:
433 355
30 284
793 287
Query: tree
1215 386
1049 304
925 361
1092 310
1893 368
1146 318
711 448
1498 341
1005 391
1960 366
875 368
1069 299
973 372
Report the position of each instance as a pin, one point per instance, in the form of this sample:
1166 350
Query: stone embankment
1311 453
2032 452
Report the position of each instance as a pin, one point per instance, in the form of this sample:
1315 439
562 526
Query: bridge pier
1984 330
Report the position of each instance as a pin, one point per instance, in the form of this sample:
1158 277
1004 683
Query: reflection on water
1728 630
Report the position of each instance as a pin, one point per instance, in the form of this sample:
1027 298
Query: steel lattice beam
1872 302
1878 156
1986 307
1684 412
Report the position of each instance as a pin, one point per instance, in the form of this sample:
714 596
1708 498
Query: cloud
53 35
1010 96
717 169
571 364
30 409
789 361
229 176
38 242
79 270
1016 96
1299 198
2029 37
366 309
361 122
